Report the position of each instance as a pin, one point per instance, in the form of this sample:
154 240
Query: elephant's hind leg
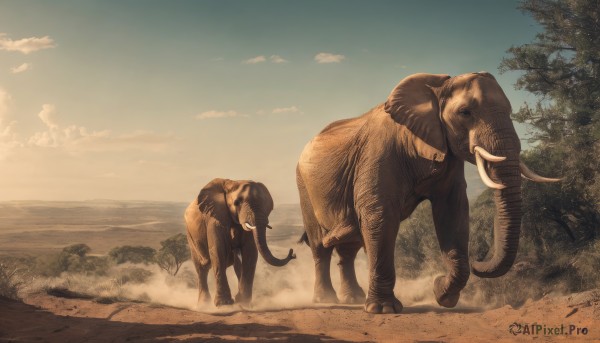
203 292
323 292
350 291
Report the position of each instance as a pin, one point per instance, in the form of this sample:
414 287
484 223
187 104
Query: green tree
417 248
562 68
132 254
72 259
173 252
481 223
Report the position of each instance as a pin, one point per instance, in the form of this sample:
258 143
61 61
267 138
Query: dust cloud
274 288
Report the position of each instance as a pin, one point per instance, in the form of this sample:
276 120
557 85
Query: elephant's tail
304 239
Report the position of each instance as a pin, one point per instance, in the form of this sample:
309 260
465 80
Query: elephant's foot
444 299
243 299
204 298
391 305
325 296
222 301
353 296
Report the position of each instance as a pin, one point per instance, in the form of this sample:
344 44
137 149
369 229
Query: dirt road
57 319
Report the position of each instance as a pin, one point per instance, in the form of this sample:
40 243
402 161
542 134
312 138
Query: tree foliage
562 68
73 259
173 253
417 248
132 254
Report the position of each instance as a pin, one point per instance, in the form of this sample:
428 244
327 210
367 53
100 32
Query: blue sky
152 99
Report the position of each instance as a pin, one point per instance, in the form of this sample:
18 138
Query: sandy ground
48 318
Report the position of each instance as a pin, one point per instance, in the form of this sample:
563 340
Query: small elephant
229 218
360 177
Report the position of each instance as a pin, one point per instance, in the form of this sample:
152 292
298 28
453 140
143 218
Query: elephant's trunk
507 221
260 237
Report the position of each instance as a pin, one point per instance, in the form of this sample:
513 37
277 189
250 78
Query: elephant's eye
464 112
236 202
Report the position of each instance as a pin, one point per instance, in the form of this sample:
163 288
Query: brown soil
47 318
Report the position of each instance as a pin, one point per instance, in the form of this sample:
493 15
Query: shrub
11 280
72 259
133 254
133 275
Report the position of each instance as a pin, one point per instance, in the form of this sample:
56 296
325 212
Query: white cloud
8 137
278 59
25 45
77 139
325 57
255 60
19 69
262 58
291 109
47 115
216 114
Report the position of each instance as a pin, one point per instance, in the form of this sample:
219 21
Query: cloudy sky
150 100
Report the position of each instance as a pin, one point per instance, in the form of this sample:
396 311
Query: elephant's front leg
451 218
379 234
219 250
249 259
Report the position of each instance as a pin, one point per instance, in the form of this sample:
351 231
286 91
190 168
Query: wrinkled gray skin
217 235
360 177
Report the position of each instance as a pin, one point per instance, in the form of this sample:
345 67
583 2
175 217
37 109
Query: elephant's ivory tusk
269 227
525 177
530 175
483 174
487 156
250 226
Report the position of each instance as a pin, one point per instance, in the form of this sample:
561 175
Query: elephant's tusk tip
532 176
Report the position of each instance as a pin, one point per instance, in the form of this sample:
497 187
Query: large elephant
229 218
360 177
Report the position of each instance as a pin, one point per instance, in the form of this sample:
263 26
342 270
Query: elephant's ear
232 190
266 195
211 200
414 104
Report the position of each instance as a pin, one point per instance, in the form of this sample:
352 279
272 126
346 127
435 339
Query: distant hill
45 226
33 227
